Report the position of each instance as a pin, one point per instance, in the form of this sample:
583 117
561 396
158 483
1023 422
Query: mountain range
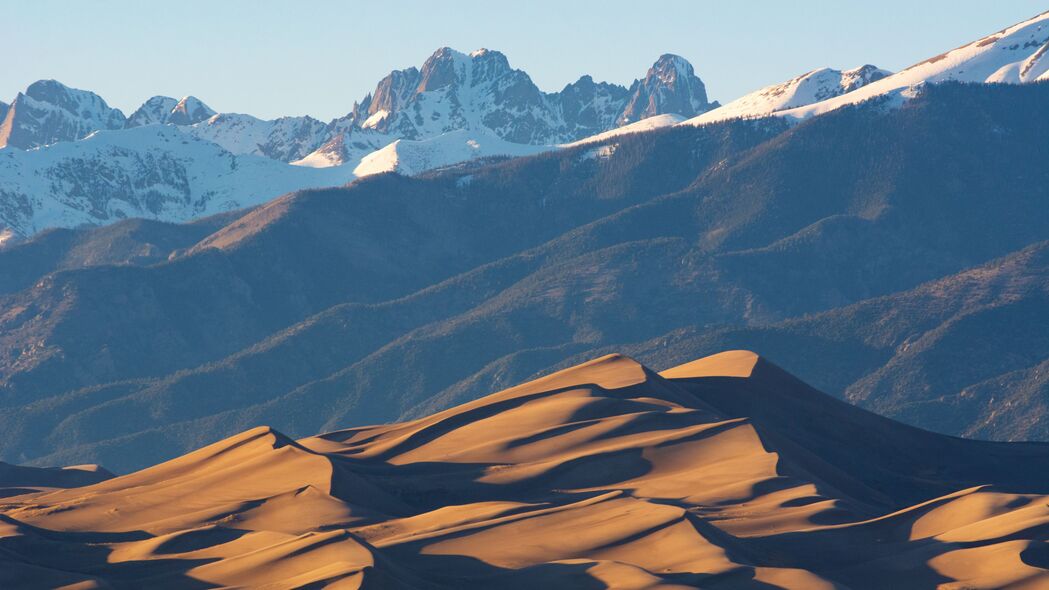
125 344
724 472
455 107
458 106
888 233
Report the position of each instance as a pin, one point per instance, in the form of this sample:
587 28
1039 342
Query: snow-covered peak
49 111
806 89
285 139
190 110
859 77
334 152
670 67
411 157
455 90
648 124
177 159
80 103
481 91
164 110
154 111
445 67
1015 55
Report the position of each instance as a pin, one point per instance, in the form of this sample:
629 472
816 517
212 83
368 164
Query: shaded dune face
724 473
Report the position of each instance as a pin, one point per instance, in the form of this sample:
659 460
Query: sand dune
18 479
722 473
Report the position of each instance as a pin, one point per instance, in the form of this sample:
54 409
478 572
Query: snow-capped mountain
1015 55
153 171
285 139
453 91
188 111
48 112
481 92
649 124
412 156
155 111
806 89
346 147
164 110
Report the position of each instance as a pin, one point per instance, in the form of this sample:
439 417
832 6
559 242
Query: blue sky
272 58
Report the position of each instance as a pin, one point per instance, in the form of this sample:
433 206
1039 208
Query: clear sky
271 58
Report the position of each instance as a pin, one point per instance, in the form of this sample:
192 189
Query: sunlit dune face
733 363
605 475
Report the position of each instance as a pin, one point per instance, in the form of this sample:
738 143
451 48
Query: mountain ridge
539 259
1018 54
456 107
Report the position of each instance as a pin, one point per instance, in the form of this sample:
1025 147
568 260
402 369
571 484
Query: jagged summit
481 92
164 110
154 111
670 86
49 111
190 110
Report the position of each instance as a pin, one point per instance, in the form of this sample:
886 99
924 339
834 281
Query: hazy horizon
238 57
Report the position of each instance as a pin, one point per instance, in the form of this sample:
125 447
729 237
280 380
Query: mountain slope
810 88
603 475
163 110
285 139
1015 55
292 258
156 172
480 282
413 157
964 354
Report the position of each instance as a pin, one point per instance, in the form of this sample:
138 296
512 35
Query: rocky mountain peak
190 110
49 111
670 86
153 111
445 67
164 110
455 90
392 93
861 76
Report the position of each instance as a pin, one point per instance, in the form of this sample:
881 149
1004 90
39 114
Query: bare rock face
190 110
453 90
50 112
671 86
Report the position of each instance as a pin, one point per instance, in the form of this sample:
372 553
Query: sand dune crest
725 472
